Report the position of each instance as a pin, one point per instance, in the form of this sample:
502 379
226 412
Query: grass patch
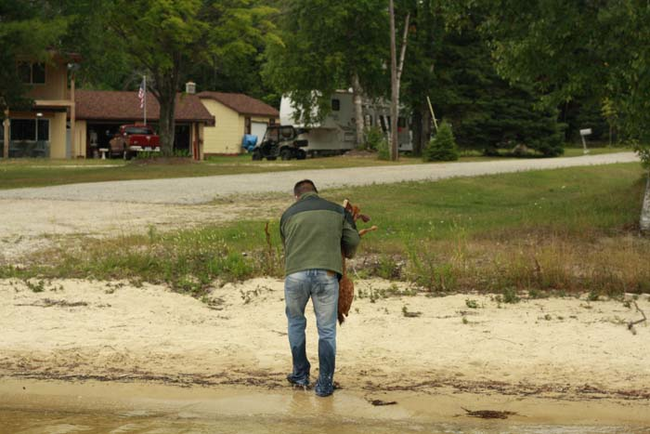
568 230
19 173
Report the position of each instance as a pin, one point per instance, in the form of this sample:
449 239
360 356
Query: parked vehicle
280 141
336 132
131 139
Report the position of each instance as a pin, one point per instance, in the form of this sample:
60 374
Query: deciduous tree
329 45
573 48
28 29
168 38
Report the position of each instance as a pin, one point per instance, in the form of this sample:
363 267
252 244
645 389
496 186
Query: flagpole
145 99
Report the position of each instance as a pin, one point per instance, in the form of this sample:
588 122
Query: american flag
142 91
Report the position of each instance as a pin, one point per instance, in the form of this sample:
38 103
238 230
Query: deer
346 285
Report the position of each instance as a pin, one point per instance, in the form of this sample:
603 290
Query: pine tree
442 146
488 113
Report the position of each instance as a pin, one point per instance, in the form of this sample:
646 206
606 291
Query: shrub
374 137
442 146
383 150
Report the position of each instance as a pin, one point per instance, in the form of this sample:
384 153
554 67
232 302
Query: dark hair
304 186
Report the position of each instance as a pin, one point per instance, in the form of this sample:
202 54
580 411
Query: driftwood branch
631 324
489 414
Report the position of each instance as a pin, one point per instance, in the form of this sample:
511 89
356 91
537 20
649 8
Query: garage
100 114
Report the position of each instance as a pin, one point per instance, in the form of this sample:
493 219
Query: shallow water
48 422
51 407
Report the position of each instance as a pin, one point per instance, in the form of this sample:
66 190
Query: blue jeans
323 288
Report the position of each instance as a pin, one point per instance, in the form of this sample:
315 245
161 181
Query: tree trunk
427 124
164 89
395 78
426 128
393 85
167 121
5 142
417 130
358 110
645 211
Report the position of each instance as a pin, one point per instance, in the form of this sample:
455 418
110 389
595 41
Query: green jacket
314 231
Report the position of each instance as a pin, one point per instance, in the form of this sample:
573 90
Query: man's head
302 187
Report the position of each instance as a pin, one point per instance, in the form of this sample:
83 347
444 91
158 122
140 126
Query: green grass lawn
41 172
567 230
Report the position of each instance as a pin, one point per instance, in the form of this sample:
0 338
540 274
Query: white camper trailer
335 133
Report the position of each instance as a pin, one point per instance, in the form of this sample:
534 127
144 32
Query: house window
31 73
38 73
336 105
25 72
43 130
23 129
30 130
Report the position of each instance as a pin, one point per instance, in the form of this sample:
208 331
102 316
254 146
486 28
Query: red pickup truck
131 139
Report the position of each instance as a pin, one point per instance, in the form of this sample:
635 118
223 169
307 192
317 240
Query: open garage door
258 129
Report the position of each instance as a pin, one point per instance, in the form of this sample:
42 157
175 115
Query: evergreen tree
489 113
442 146
583 113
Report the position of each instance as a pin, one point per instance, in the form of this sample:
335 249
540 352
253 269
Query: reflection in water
45 422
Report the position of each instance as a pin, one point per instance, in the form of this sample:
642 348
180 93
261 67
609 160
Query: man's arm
350 239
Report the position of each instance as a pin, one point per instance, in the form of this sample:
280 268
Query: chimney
190 87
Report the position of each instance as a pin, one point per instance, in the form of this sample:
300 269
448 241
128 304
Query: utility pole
393 85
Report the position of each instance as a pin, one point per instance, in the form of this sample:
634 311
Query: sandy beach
567 348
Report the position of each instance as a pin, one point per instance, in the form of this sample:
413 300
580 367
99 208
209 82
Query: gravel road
33 219
192 191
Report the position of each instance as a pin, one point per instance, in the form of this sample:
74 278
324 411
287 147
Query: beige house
236 114
43 130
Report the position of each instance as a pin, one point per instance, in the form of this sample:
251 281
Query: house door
182 139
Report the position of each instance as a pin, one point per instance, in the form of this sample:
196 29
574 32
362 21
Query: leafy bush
443 146
510 296
374 137
383 150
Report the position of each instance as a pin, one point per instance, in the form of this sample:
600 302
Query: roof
125 106
242 104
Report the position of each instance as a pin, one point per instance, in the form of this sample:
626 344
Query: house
43 130
100 113
236 114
